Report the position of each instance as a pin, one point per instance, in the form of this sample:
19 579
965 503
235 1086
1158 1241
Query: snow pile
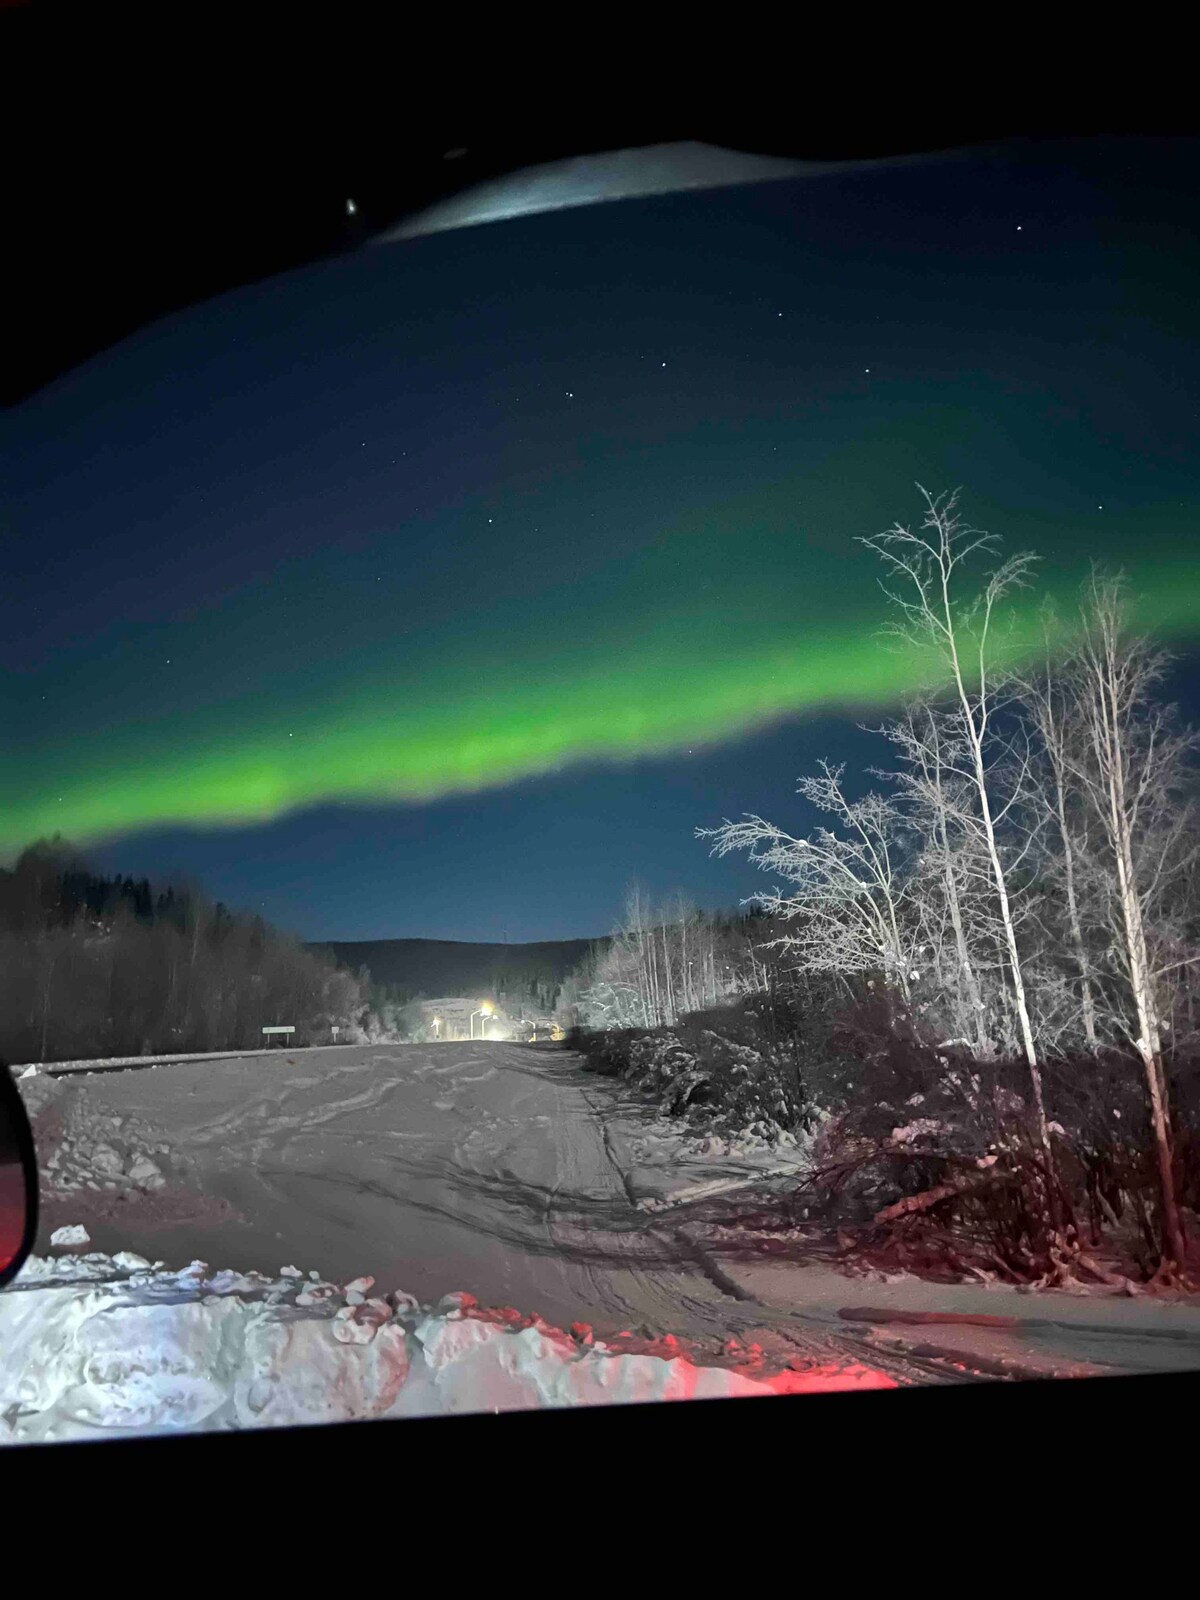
93 1344
79 1147
74 1234
121 1159
90 1064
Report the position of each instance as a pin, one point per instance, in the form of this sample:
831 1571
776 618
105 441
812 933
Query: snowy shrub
914 1141
933 1143
730 1070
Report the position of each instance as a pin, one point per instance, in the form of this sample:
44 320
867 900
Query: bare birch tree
1135 771
1050 705
925 565
947 889
659 965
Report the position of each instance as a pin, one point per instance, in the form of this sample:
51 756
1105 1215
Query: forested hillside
92 966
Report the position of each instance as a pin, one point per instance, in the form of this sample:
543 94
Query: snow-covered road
350 1202
483 1167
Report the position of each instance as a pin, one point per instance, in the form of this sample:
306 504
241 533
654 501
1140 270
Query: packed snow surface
503 1169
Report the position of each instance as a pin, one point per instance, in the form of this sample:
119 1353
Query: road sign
279 1030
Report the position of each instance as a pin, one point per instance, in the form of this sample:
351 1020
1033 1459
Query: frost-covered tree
1051 704
847 888
1030 883
660 964
1136 768
950 892
924 569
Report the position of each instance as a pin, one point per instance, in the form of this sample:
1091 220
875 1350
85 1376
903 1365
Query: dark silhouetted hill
437 967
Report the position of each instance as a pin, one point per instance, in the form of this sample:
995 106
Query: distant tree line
665 962
94 966
395 1011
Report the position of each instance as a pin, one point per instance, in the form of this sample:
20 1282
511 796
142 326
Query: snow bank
85 1064
94 1345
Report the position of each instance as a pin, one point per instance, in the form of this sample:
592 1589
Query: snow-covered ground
398 1174
484 1165
95 1344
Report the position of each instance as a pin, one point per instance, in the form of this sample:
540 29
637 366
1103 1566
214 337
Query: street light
485 1010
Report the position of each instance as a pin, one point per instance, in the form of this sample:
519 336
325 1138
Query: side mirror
18 1180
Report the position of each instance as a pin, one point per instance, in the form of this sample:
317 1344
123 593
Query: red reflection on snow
800 1376
824 1379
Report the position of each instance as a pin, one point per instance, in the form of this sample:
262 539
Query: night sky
443 589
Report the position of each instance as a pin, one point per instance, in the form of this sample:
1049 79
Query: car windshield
613 778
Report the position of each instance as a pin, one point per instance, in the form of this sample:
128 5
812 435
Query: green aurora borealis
464 706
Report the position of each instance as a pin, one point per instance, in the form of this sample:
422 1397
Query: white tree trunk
1111 748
